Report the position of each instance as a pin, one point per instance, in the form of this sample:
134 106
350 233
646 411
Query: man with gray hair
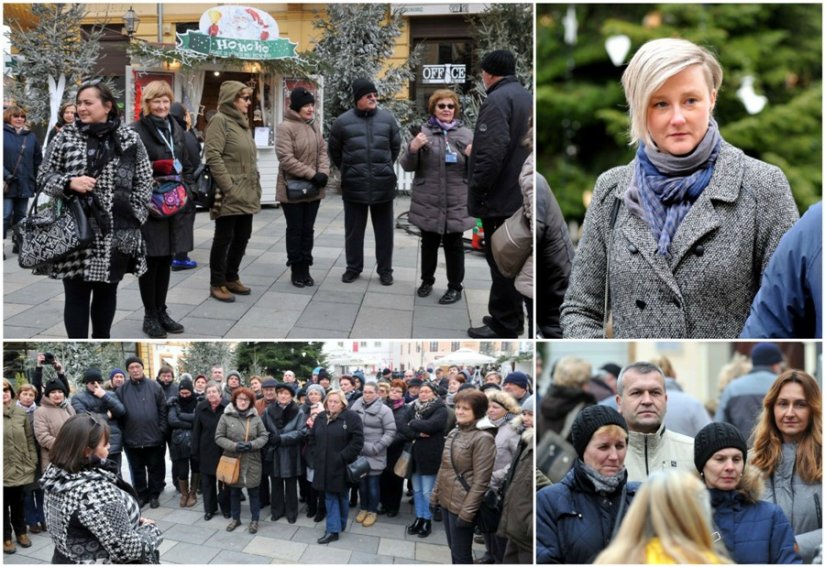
642 400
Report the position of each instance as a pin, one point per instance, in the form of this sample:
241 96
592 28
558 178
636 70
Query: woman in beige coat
233 161
301 155
53 412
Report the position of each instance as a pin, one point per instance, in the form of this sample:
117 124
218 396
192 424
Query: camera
48 358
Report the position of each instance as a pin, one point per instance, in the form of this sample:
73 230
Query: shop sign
237 31
447 74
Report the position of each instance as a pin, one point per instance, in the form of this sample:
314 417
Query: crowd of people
139 183
676 244
630 485
460 440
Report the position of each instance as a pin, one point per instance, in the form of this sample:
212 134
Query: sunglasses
246 98
442 106
6 389
372 96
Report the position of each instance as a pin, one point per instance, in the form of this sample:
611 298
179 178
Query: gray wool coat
379 431
231 430
705 288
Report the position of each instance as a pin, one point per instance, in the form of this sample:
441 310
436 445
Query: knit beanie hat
529 404
612 368
519 379
323 374
299 98
234 373
186 375
54 385
186 384
714 437
92 375
499 63
133 359
361 87
318 388
116 371
766 354
589 420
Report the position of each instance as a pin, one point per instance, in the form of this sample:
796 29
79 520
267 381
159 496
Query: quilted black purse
51 234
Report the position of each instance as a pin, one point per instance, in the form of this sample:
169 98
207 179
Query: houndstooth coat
66 158
705 288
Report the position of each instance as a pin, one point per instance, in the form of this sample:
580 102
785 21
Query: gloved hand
459 523
274 438
243 447
320 179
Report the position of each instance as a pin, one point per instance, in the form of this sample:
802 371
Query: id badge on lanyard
171 145
450 156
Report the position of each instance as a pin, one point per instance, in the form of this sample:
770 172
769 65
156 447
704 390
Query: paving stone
188 533
231 541
325 555
189 553
227 557
276 548
430 553
397 548
385 323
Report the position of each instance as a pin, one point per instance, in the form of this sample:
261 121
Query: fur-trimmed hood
504 399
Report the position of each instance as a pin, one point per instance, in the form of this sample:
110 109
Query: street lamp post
131 21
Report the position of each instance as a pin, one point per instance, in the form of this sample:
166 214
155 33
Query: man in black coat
144 431
363 144
494 192
554 259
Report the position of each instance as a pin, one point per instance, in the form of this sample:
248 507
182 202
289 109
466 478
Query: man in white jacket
642 401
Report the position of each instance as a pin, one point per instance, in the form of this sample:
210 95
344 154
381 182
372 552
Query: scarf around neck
422 407
664 186
601 483
437 124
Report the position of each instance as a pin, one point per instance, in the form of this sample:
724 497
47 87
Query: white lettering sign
447 74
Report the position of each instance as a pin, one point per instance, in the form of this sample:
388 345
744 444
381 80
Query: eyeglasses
246 98
442 106
7 389
372 96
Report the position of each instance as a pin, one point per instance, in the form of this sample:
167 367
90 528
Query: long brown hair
767 439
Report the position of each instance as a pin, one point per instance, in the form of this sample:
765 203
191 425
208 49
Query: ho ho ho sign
237 31
447 74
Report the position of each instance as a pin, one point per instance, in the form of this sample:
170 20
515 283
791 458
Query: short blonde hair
155 89
338 394
653 64
571 372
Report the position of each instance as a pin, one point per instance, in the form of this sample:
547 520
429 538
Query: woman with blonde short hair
674 243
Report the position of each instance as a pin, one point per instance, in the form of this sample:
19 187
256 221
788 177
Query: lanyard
170 143
447 142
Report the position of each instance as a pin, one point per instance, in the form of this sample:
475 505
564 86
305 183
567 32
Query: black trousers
181 467
453 255
228 248
460 540
214 494
83 298
392 485
505 303
285 497
148 467
263 488
300 231
355 224
13 512
154 284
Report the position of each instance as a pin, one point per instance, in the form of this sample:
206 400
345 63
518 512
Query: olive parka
232 430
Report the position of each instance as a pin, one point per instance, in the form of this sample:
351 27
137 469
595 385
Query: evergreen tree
357 41
276 358
76 357
582 119
55 56
198 357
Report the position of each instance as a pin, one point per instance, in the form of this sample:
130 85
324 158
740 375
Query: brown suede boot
192 499
184 492
238 288
221 294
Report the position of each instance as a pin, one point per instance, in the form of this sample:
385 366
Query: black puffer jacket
181 423
554 258
145 423
364 146
168 236
498 153
86 402
426 452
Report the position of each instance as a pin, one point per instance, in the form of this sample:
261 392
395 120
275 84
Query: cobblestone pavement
33 305
189 539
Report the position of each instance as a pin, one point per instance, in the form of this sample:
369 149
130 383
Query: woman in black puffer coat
181 420
427 420
206 451
336 437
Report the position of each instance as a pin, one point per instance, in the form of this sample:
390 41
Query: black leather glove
459 523
243 447
275 438
320 179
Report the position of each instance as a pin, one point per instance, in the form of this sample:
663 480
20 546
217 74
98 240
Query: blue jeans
422 489
369 489
254 502
337 511
14 210
33 506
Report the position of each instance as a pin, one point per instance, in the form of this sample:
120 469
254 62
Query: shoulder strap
20 153
568 421
458 475
246 433
614 214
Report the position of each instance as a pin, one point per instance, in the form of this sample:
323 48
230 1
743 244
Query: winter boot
297 278
308 281
426 528
192 499
184 492
152 326
415 527
168 323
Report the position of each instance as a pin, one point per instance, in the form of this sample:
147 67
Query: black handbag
298 190
53 233
204 186
357 469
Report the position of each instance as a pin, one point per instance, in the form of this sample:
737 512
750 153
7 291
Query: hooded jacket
364 145
439 191
662 450
22 184
800 501
232 429
575 522
517 507
86 402
470 452
19 452
498 153
704 289
181 423
301 152
753 530
91 519
379 431
232 157
48 419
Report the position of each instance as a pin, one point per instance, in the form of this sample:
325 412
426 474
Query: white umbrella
465 356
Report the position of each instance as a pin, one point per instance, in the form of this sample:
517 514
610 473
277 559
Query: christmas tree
276 358
198 357
766 50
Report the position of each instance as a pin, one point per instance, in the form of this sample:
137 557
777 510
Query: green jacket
232 430
232 157
19 453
